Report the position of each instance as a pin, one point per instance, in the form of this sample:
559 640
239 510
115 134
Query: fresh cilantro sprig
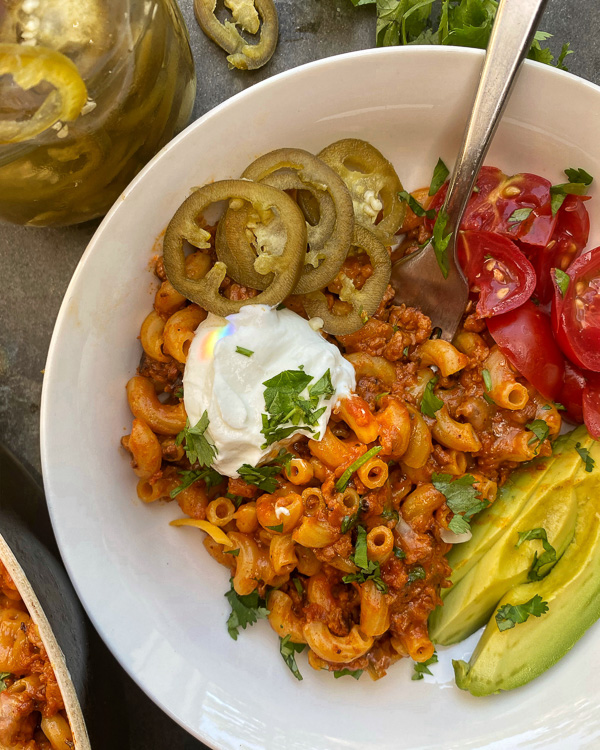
211 479
547 558
342 482
368 569
430 403
584 454
245 610
464 23
262 477
415 206
510 615
579 175
197 447
540 431
562 280
356 673
461 497
422 668
286 409
288 651
579 181
439 177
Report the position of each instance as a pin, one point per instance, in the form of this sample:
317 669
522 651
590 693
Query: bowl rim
418 52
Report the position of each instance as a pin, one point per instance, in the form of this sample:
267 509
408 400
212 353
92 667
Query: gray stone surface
36 265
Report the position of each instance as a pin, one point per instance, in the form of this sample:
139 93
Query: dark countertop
36 265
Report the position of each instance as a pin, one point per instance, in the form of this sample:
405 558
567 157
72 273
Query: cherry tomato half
571 395
576 316
498 196
568 240
496 267
525 336
591 407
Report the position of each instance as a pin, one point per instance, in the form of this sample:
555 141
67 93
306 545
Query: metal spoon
417 278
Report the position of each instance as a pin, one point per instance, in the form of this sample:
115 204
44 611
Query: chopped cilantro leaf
262 477
430 403
245 352
519 215
540 431
349 522
487 379
547 558
342 482
585 457
234 552
399 553
510 615
322 388
245 610
440 174
579 175
562 280
197 447
415 206
356 673
558 193
288 651
461 497
390 514
298 586
210 477
422 668
440 241
415 574
278 528
369 570
360 548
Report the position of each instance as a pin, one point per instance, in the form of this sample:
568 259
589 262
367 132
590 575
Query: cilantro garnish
4 676
562 280
237 500
211 479
356 673
519 215
262 477
178 393
234 552
349 522
585 457
415 206
416 574
245 610
369 570
298 586
399 553
548 557
461 497
390 514
440 174
422 668
286 410
487 379
197 447
558 193
540 431
342 482
579 175
430 403
440 241
245 352
278 528
288 651
510 615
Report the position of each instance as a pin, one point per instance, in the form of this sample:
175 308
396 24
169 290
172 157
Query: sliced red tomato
576 315
571 395
496 268
525 336
591 407
568 240
492 208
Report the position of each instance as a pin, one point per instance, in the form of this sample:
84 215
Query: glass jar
90 90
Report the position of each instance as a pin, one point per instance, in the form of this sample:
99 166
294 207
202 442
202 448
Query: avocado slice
470 603
525 485
511 658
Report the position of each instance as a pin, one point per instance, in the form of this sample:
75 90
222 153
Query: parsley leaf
399 553
4 676
461 497
288 651
211 479
360 548
548 557
579 175
430 403
519 215
562 280
440 241
440 175
422 668
558 193
356 673
262 477
585 457
322 388
342 482
197 447
369 570
540 431
245 352
415 206
245 610
416 574
510 615
349 522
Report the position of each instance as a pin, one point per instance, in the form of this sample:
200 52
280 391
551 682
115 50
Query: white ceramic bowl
152 591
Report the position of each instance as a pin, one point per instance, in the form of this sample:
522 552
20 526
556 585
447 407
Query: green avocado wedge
507 659
525 487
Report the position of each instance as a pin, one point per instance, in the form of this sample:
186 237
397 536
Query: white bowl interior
154 594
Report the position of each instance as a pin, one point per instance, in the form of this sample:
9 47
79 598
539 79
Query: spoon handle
510 40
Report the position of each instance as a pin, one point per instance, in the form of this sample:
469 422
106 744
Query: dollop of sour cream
228 385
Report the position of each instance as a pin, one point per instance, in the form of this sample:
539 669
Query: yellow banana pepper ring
284 268
30 66
242 55
364 301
